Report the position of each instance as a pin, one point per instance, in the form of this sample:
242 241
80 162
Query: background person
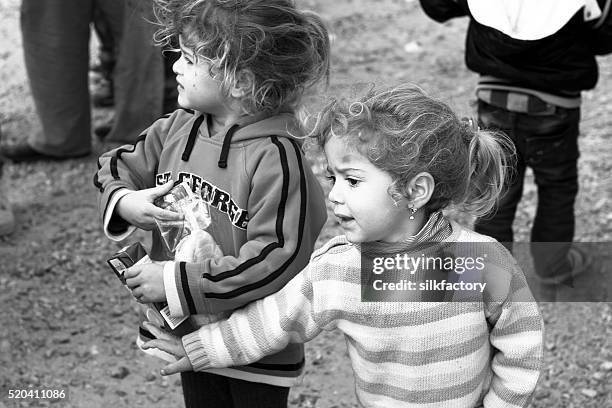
534 59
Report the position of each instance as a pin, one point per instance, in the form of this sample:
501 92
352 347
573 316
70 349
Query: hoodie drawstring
226 146
193 134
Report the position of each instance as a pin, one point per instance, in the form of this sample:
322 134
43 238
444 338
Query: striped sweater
403 354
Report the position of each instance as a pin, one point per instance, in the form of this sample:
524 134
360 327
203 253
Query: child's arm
259 329
128 168
286 211
516 337
443 10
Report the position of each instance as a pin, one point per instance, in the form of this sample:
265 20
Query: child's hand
170 344
146 282
138 209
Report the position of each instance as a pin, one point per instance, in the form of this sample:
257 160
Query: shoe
102 95
103 130
100 99
579 262
23 152
544 292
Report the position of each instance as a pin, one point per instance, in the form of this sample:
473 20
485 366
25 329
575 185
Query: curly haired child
396 159
243 70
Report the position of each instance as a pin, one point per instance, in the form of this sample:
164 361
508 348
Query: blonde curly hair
404 132
280 50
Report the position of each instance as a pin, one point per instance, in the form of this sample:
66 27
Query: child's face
197 89
360 197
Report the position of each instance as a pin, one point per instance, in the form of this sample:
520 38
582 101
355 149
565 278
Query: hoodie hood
283 124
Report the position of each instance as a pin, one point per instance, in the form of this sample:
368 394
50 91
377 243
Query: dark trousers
203 390
56 51
139 74
548 143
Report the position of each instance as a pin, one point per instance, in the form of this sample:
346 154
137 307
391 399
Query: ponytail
490 157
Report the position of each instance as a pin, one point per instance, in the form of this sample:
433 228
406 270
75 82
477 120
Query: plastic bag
197 247
193 209
191 241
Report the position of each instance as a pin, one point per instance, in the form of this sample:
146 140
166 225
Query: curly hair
404 132
282 51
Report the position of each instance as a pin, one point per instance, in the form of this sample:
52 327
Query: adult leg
56 50
108 24
498 224
139 74
552 150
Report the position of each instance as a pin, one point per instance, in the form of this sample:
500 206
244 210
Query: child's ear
420 189
244 82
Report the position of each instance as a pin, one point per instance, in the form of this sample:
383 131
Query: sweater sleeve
131 167
517 340
286 213
443 10
261 328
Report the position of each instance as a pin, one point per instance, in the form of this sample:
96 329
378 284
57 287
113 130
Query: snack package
126 257
159 312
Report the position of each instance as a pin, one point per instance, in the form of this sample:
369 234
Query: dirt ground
67 324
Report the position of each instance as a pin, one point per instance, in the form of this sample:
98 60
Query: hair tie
470 129
471 124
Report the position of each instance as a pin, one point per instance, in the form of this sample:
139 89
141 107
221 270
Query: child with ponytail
454 333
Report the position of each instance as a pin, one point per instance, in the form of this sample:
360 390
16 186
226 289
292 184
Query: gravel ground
69 325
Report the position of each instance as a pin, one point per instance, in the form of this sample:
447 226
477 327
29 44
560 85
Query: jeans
548 143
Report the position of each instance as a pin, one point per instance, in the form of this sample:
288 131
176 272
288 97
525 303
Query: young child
243 69
396 159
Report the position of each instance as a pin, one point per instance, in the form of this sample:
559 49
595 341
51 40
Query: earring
412 211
